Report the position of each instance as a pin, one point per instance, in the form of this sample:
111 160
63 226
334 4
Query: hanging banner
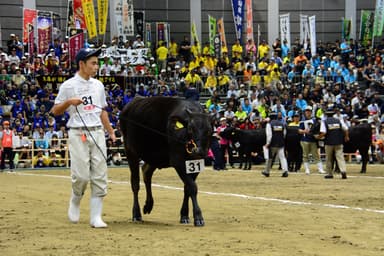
238 15
346 28
160 31
116 18
44 31
194 36
79 14
217 46
139 22
304 30
366 26
221 31
127 18
379 18
89 16
70 17
102 15
31 40
134 56
248 4
285 29
75 42
312 32
29 19
212 34
56 26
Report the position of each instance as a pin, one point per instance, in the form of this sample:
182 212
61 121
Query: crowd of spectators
244 84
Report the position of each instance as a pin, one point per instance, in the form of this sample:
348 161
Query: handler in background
83 98
335 132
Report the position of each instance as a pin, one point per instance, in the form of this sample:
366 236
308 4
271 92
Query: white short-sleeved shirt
91 92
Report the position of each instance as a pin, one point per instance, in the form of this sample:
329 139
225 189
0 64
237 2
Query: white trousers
88 163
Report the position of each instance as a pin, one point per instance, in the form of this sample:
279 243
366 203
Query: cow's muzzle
191 147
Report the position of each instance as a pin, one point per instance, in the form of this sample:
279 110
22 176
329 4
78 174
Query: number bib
194 166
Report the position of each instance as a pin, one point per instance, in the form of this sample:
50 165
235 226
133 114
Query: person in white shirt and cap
84 99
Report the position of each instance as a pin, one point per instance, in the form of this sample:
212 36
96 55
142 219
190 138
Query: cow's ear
189 112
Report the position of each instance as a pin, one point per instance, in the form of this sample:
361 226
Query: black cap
85 53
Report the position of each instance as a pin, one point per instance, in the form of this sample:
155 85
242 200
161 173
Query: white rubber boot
320 167
306 167
96 207
74 208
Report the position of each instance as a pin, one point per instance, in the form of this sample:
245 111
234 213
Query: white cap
163 70
177 66
12 35
308 108
223 119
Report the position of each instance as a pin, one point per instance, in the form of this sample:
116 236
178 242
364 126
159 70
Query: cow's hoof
363 171
199 223
137 219
147 208
184 220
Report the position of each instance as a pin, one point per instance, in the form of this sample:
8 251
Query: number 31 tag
194 166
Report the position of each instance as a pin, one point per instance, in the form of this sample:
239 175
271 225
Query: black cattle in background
246 142
293 148
165 132
360 138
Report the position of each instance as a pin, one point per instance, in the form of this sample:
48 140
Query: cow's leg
364 160
249 160
147 176
134 165
190 191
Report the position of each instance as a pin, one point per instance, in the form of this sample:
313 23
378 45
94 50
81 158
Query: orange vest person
6 147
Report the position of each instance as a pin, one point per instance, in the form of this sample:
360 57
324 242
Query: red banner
44 31
79 14
31 42
76 42
29 17
248 4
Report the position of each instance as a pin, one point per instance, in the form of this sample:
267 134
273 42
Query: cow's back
360 137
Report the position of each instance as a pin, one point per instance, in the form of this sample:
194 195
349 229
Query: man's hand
75 101
112 136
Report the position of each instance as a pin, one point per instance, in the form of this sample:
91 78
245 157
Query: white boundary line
259 198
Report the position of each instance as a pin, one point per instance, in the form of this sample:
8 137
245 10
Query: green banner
212 34
379 18
346 29
366 26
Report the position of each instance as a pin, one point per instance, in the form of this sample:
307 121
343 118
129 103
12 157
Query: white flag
285 30
304 30
312 28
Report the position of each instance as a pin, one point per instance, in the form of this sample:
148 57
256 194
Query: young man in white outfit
83 98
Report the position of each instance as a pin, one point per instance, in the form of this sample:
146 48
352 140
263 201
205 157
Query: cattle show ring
245 214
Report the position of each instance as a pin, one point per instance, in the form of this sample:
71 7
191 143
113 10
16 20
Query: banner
127 18
304 30
312 29
238 14
76 42
160 31
379 18
194 37
139 22
248 4
56 26
102 15
346 28
221 31
31 40
44 31
285 29
70 17
29 19
212 34
78 14
89 17
366 26
116 18
134 56
217 46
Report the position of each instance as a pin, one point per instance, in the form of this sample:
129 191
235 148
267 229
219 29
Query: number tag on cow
237 144
194 166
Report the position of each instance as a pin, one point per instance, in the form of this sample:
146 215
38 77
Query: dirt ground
245 214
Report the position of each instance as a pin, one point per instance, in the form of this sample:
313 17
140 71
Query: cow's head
228 133
191 132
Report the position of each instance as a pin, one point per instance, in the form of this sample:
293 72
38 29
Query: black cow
360 138
293 148
246 141
166 132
